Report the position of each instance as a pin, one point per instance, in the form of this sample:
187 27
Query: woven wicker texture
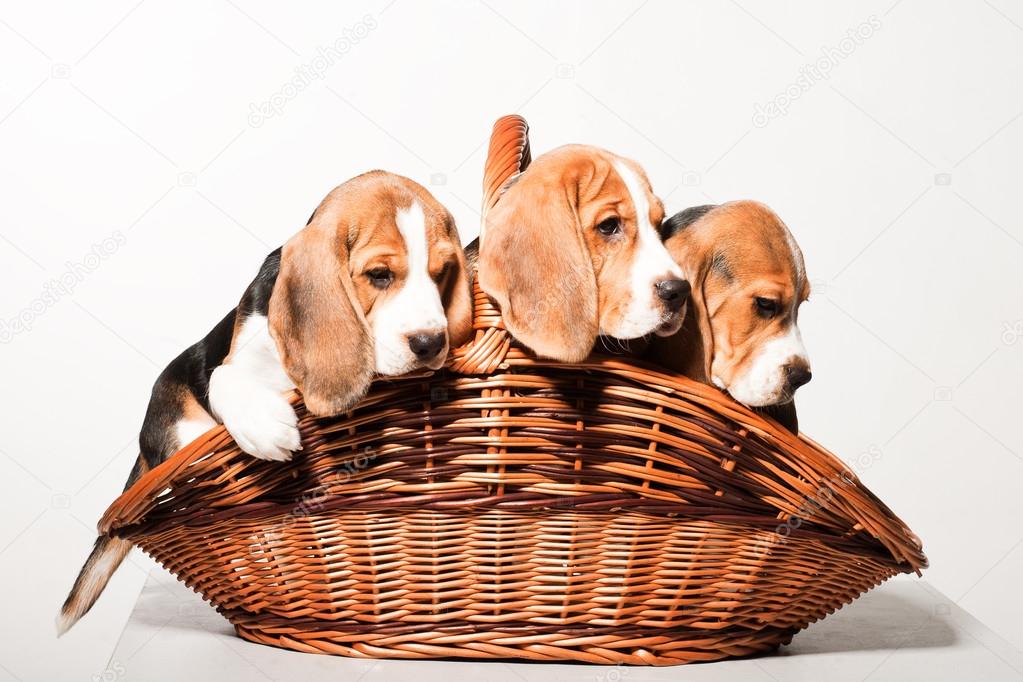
506 507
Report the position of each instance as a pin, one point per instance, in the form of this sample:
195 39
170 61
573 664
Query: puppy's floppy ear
698 297
534 263
456 296
691 350
314 318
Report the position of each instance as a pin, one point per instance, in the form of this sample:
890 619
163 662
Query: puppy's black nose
426 346
673 292
796 376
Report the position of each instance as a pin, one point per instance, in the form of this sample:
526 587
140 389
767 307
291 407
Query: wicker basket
505 507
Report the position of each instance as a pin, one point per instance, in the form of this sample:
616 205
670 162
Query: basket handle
507 156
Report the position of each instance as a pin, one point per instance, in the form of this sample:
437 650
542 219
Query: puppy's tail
107 555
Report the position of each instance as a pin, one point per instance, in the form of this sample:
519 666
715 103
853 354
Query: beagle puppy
571 252
741 332
376 283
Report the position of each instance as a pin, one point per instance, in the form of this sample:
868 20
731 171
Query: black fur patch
719 265
783 414
191 369
256 298
683 219
472 257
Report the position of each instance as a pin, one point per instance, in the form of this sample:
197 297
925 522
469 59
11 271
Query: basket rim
902 544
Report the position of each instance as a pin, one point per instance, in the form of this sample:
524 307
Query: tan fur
456 296
556 281
106 556
321 309
322 304
756 257
191 409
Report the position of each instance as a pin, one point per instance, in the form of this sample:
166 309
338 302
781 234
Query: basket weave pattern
603 512
507 507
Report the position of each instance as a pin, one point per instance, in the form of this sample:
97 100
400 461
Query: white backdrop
154 152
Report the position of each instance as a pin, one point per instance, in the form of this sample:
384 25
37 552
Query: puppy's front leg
246 394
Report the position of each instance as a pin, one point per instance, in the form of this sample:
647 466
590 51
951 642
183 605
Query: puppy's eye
381 278
767 307
610 226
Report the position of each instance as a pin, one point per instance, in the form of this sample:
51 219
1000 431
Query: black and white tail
106 556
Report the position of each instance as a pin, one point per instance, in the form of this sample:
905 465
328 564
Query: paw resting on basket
375 283
259 418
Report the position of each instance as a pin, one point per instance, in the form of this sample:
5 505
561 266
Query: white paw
260 419
265 426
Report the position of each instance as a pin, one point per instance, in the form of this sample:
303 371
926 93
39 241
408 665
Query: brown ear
691 350
320 331
534 263
457 301
702 315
